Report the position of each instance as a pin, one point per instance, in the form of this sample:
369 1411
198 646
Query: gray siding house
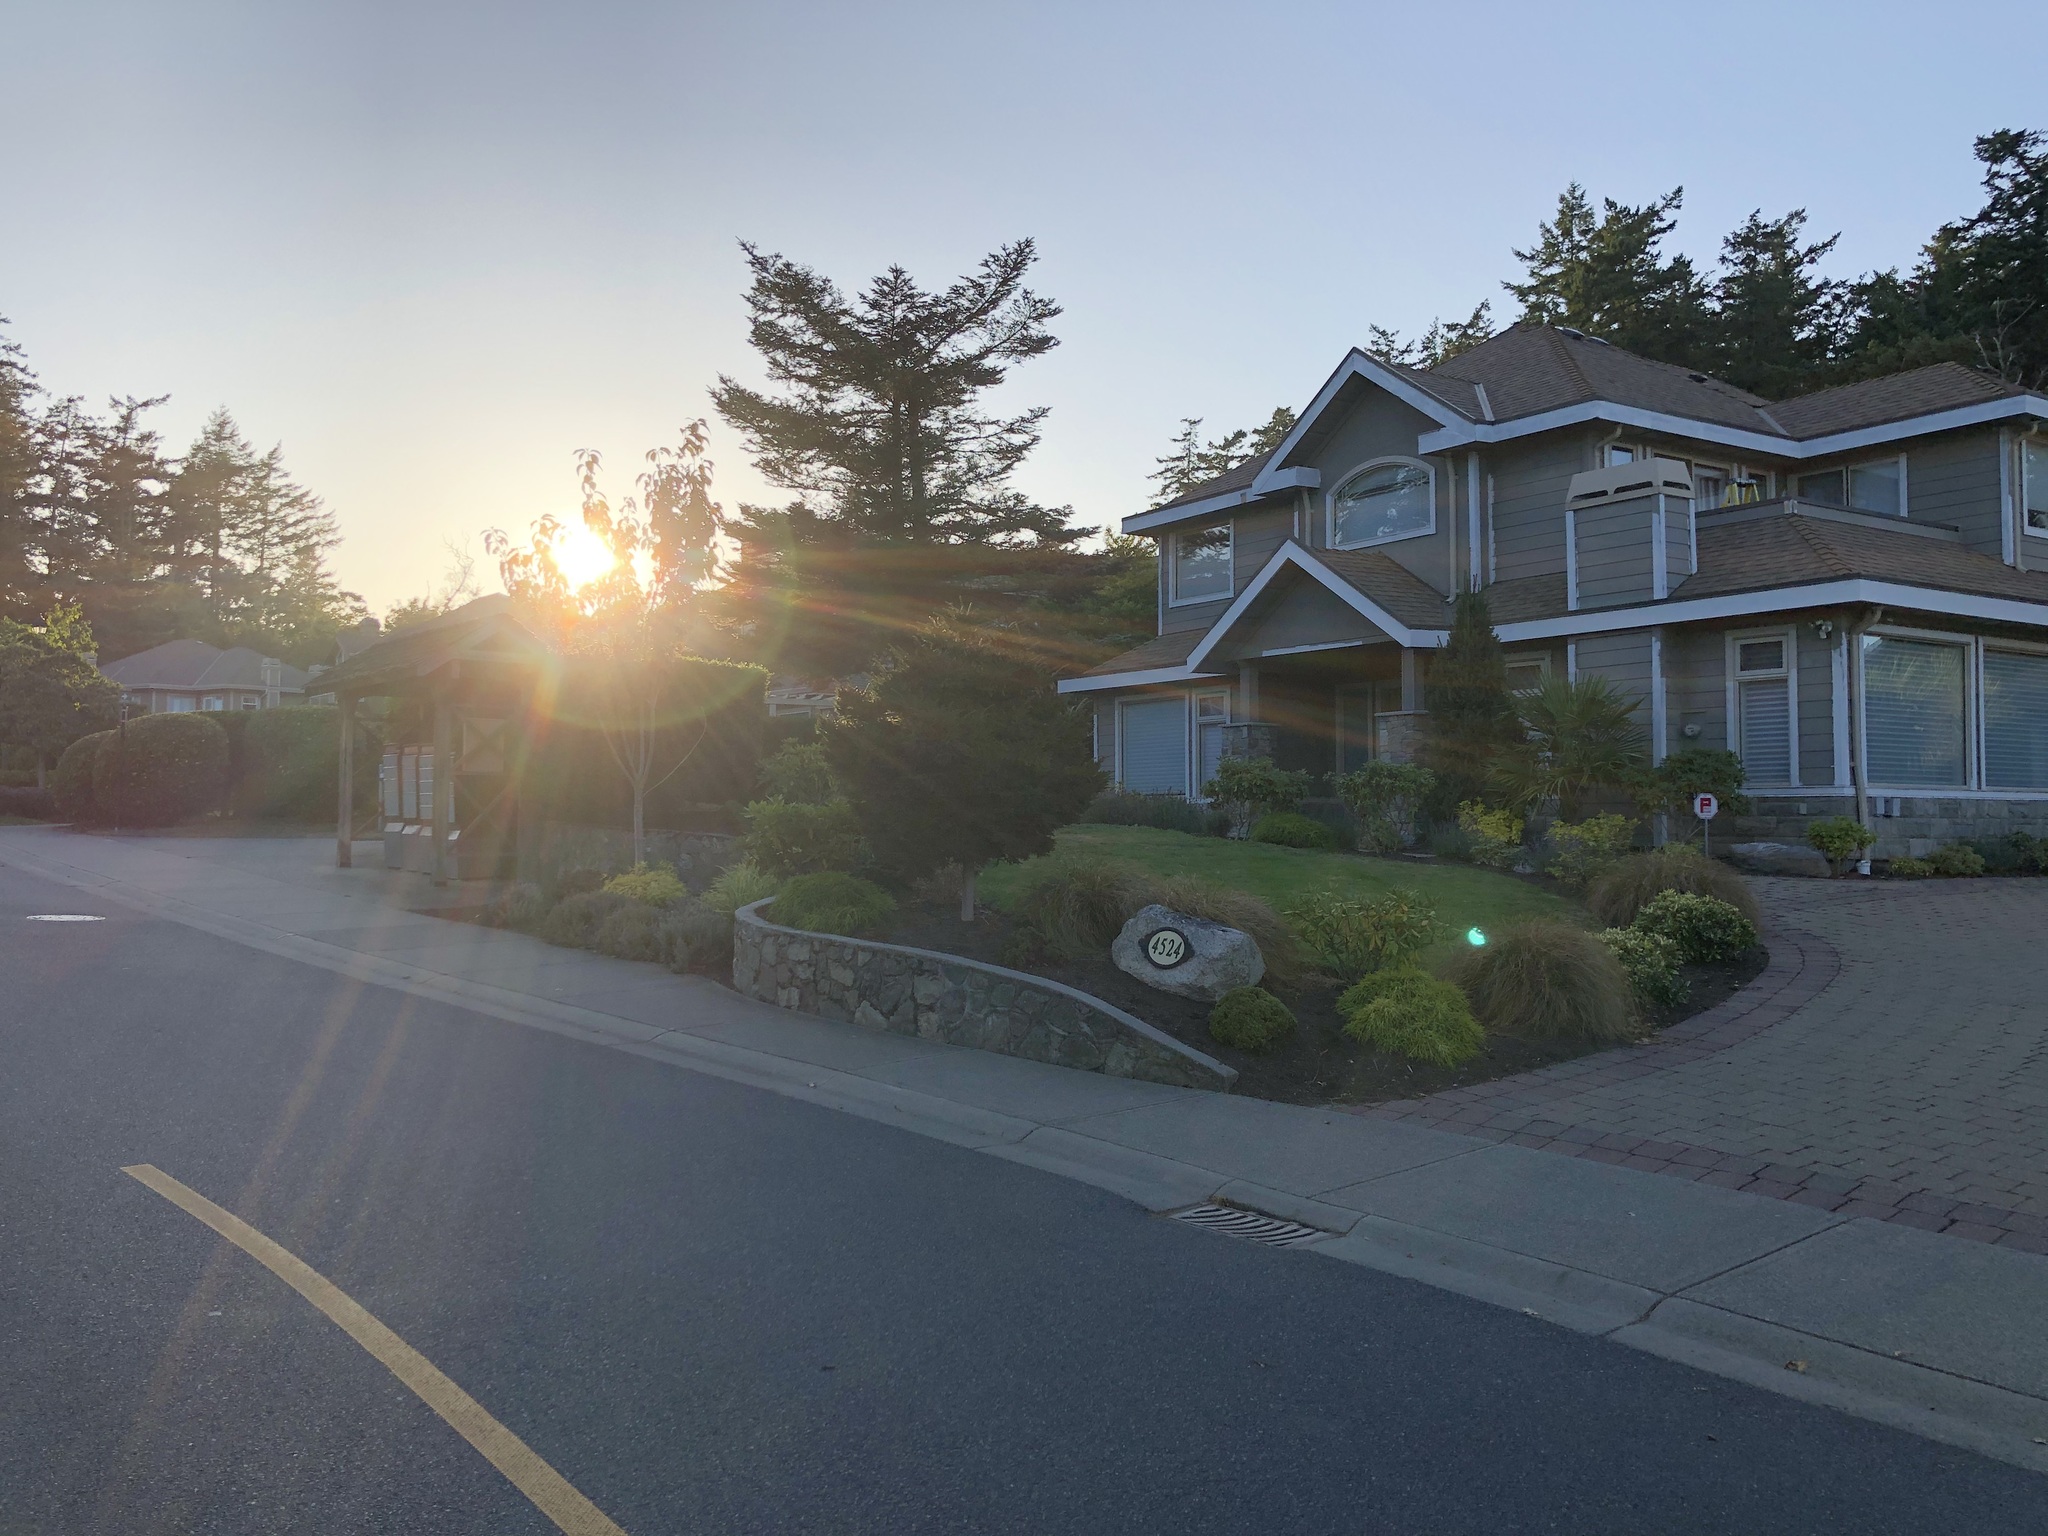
182 675
1848 589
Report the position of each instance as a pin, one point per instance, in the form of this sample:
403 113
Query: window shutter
1766 728
2015 720
1155 747
1913 713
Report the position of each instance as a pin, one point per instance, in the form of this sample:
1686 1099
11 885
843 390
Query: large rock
1187 956
1780 859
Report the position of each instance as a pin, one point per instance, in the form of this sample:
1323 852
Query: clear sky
435 249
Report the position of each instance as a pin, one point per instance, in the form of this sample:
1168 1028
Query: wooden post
444 790
1411 679
344 799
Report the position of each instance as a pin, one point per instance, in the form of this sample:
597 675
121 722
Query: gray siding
1624 660
1255 535
1816 710
1379 426
1304 613
1614 553
1529 483
1954 479
1696 687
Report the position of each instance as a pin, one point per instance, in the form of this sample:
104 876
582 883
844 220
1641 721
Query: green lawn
1465 897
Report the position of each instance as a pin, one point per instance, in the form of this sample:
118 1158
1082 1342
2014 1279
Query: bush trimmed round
1291 829
72 782
1413 1014
1651 961
169 769
1706 930
1250 1019
833 903
1545 980
657 885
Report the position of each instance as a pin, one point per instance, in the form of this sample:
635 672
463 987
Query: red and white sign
1705 806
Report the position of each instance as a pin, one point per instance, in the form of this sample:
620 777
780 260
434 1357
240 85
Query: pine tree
1605 274
1444 339
1776 323
1471 718
1192 462
20 460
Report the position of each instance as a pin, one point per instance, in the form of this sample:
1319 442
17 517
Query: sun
581 556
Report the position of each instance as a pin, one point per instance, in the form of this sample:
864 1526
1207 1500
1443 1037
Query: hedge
72 782
168 768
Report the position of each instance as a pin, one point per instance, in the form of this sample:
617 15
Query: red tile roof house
1849 589
192 675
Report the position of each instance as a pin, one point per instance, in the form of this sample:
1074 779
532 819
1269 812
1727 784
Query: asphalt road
716 1310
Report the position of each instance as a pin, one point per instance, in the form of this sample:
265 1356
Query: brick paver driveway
1892 1062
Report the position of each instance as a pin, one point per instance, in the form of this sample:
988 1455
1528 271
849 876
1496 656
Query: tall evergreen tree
1444 339
878 423
1191 462
1605 273
1471 718
20 461
1776 323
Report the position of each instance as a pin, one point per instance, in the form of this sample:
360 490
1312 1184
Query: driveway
1893 1063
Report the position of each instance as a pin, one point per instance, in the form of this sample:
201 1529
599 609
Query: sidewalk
1944 1337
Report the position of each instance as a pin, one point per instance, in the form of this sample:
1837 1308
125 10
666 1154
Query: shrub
27 801
285 763
2001 855
574 921
1651 963
1337 816
1671 785
1291 829
72 782
789 839
1448 840
1547 980
697 937
1250 1019
1841 838
1385 797
1078 906
1955 860
1910 868
1352 938
521 907
1170 813
1705 928
1496 836
633 932
1412 1014
1581 850
833 903
2030 853
575 881
1250 787
658 886
1623 891
740 885
796 772
170 768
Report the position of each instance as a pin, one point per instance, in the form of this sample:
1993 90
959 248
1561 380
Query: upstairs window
1391 500
1872 487
2034 478
1200 568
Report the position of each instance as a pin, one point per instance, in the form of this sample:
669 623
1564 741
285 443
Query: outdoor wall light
1690 730
1823 627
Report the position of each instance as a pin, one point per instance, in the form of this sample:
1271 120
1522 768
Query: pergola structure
464 690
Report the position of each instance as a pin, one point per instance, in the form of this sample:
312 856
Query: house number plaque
1166 948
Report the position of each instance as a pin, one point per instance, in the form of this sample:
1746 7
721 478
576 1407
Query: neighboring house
1848 589
185 675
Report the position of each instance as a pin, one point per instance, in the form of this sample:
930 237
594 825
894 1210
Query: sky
435 249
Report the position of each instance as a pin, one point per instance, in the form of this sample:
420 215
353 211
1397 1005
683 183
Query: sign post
1706 807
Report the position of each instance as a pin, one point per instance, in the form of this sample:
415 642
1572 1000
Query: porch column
1398 738
344 798
1411 680
444 790
1247 710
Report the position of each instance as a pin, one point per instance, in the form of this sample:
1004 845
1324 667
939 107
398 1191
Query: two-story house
1848 589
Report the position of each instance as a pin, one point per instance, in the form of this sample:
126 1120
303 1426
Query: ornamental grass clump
1291 829
1651 962
1410 1013
1352 938
1706 929
520 907
1234 909
740 885
574 921
1251 1019
1621 892
1078 906
833 903
633 932
1546 980
657 885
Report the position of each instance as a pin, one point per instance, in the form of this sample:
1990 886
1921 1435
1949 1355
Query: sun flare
581 556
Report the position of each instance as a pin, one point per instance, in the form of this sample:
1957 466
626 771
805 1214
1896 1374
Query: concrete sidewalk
1943 1337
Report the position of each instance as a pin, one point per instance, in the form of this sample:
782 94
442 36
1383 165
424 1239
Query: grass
1465 897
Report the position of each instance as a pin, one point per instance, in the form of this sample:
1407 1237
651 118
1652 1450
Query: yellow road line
550 1491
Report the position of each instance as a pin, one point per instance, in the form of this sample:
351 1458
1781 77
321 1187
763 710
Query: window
1761 707
1212 713
213 701
1709 486
2034 483
1395 500
1752 484
1526 673
1872 487
1619 453
251 701
178 704
1201 565
2015 720
1152 745
1823 486
1915 712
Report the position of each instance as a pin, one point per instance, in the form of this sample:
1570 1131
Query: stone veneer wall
958 1001
1921 824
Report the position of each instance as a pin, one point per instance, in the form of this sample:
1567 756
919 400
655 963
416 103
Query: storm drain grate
1270 1230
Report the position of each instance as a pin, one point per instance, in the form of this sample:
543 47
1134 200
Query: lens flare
1475 936
581 556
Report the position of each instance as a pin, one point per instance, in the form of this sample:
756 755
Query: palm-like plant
1579 739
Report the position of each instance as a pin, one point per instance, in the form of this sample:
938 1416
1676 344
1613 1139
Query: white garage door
1154 739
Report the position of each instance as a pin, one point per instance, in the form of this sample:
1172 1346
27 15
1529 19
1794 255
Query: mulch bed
1319 1065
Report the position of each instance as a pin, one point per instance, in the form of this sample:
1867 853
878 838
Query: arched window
1393 499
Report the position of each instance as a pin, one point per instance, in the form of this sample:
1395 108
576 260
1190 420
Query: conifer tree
1605 273
1471 717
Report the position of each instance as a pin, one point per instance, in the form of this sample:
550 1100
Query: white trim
1173 597
1734 677
1459 435
1208 506
1660 556
1194 768
1659 711
1826 594
1303 650
1473 533
1349 475
1356 364
1571 560
1971 646
1492 538
2016 488
1293 554
1180 674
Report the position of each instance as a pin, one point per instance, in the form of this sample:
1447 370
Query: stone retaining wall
1905 824
958 1001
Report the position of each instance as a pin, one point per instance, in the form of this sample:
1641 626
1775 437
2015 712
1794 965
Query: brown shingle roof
1896 397
1165 651
1528 369
1390 584
195 664
1760 553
